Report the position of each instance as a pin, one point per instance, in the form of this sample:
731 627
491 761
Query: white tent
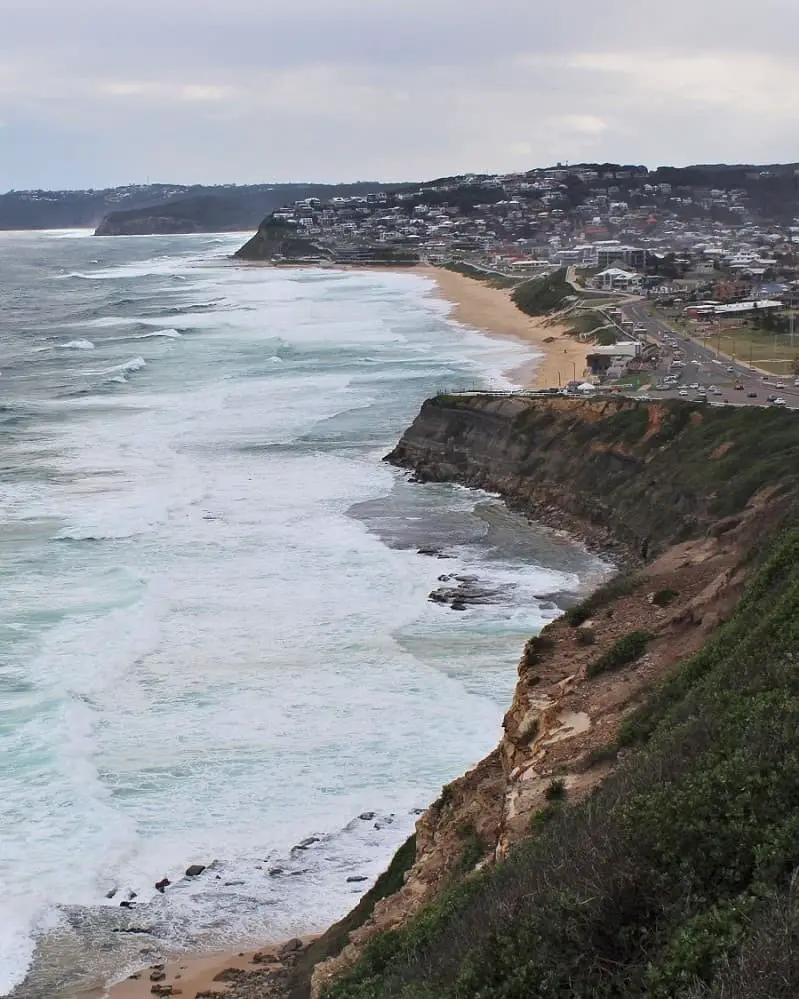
586 387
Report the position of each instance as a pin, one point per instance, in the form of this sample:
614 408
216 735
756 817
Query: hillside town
729 233
713 252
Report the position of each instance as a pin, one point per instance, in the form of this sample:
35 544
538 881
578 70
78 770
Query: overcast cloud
105 92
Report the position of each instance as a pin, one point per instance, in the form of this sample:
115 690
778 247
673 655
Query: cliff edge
692 499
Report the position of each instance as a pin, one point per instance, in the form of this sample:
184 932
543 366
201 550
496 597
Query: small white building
616 279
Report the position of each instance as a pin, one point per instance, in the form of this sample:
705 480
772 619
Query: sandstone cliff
676 490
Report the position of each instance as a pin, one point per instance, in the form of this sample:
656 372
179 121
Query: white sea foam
170 334
133 364
217 657
77 345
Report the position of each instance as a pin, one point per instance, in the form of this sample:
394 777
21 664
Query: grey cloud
187 90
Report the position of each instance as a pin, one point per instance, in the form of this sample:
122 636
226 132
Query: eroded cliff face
611 471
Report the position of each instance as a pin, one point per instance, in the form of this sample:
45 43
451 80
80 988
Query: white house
616 279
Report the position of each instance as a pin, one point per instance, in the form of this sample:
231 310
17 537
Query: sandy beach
251 973
560 359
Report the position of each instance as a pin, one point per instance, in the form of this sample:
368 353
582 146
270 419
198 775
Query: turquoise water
215 638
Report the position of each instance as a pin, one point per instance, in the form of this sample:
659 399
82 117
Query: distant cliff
142 208
230 209
634 832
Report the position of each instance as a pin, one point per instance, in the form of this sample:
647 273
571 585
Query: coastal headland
640 798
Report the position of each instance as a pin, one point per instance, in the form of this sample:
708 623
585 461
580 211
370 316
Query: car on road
683 391
780 385
694 386
771 398
731 369
779 401
751 395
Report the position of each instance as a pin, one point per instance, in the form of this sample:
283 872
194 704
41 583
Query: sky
97 93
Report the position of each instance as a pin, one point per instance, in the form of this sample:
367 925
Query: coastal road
702 365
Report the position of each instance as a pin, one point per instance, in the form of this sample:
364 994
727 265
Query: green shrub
625 651
535 646
602 754
472 847
662 598
556 789
586 636
614 589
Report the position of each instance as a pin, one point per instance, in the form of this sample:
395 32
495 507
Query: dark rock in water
434 552
275 871
441 596
195 870
366 816
417 811
110 894
149 930
162 884
291 947
305 843
126 904
296 874
356 878
157 976
468 592
132 894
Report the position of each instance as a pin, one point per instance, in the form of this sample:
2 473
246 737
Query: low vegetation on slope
674 879
544 294
492 278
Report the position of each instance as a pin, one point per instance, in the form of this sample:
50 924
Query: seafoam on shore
218 646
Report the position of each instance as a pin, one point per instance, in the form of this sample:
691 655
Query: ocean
216 642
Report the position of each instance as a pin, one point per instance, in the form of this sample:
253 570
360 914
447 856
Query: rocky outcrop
625 476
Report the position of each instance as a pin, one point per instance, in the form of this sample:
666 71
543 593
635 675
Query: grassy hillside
675 878
544 294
